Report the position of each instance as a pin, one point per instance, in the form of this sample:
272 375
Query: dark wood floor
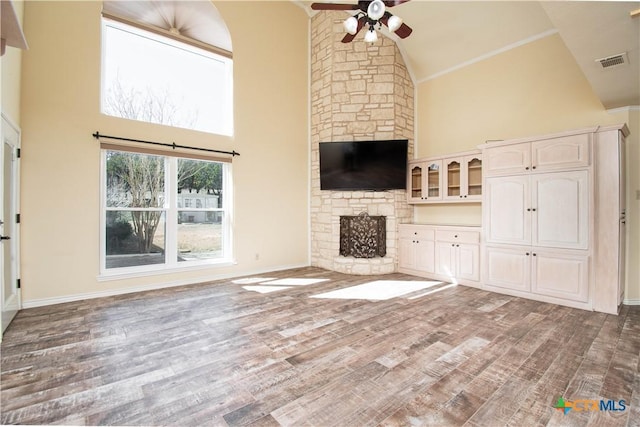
215 354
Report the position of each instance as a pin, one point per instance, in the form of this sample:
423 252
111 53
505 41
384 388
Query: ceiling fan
372 13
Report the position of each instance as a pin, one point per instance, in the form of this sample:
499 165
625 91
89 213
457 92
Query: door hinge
17 218
18 283
18 153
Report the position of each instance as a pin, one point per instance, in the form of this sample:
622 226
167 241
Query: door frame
14 243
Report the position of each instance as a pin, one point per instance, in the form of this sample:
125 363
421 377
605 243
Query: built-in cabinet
542 221
554 218
451 179
447 253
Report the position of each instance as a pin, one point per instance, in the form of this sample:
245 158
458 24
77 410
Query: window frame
171 210
227 127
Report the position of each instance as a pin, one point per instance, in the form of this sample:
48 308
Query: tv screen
365 165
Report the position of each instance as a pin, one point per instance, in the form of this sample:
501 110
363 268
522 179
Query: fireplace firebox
363 236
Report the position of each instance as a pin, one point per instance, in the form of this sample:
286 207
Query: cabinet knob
527 168
453 244
456 236
534 254
528 209
457 246
533 167
527 253
465 196
534 209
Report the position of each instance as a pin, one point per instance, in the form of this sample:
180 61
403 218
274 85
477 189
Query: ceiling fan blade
333 6
391 3
349 37
404 31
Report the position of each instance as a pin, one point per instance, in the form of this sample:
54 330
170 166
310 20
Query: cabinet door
508 268
415 180
433 180
446 260
561 153
560 275
507 219
468 262
560 210
407 254
425 256
507 159
453 179
472 177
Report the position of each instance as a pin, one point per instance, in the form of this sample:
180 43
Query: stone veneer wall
359 91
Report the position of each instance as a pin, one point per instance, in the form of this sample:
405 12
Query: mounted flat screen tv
364 165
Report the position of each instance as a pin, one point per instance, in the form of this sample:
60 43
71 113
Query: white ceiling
451 34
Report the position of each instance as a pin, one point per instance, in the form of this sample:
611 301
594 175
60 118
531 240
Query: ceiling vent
613 61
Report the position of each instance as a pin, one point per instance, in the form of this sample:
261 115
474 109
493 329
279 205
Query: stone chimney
359 91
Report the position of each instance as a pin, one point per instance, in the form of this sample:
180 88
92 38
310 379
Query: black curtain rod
172 145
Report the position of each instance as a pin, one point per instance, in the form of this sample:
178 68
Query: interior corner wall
359 92
60 243
531 90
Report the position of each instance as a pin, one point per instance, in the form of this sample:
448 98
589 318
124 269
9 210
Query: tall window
146 227
152 78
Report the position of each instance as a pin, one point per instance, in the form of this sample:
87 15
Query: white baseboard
40 302
631 302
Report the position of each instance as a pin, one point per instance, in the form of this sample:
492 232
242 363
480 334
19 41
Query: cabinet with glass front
424 182
452 179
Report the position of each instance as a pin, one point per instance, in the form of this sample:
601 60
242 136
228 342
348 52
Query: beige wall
535 89
61 162
10 75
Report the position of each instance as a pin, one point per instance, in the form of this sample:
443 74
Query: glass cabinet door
433 180
474 176
454 177
415 184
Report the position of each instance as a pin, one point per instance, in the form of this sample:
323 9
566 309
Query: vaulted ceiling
448 35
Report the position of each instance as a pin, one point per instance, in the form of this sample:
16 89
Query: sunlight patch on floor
269 284
265 289
251 280
379 290
453 285
294 282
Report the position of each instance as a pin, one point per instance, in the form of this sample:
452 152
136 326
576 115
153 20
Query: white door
468 262
560 210
425 256
446 260
508 268
561 275
8 222
407 255
508 211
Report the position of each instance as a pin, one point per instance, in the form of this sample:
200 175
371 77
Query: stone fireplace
359 91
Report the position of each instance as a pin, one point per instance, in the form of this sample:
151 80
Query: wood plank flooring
217 354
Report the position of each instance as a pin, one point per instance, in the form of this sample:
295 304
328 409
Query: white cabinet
522 271
424 182
451 179
447 253
462 178
559 153
417 248
550 210
553 218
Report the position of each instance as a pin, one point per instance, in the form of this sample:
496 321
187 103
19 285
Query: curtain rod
173 145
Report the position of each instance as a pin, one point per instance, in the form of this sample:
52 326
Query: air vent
613 61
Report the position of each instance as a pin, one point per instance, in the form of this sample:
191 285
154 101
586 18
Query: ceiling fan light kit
371 13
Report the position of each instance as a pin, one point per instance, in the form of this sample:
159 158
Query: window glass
144 226
151 78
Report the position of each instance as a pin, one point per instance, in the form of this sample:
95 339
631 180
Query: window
152 78
145 227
